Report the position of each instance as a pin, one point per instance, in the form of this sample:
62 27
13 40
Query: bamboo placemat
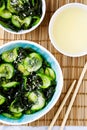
71 68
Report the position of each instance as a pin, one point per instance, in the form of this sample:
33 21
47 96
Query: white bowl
32 28
59 80
56 44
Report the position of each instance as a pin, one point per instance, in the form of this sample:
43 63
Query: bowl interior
59 79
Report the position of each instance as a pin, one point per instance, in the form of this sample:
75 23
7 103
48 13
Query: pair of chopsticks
71 101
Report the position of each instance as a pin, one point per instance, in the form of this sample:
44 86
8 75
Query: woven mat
71 68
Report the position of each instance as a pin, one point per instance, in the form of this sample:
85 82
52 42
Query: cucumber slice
10 84
40 102
15 109
24 82
7 115
10 56
33 62
17 115
6 70
2 99
22 69
50 73
9 7
27 22
36 19
46 80
2 7
5 14
33 2
28 112
32 97
16 21
12 115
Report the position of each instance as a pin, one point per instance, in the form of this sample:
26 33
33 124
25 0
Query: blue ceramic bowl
59 79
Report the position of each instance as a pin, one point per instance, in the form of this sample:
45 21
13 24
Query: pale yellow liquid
69 30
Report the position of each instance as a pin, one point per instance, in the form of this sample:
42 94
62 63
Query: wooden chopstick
73 96
61 106
65 99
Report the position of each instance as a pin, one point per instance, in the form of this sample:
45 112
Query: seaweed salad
20 14
27 82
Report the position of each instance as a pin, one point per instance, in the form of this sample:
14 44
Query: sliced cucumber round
2 7
22 69
5 14
15 109
25 82
36 19
33 62
12 115
45 79
32 97
17 115
28 112
10 84
33 2
40 102
9 7
16 21
2 99
10 56
6 70
8 115
50 73
27 21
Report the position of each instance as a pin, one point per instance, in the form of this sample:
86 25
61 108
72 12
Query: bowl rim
57 12
56 94
32 28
